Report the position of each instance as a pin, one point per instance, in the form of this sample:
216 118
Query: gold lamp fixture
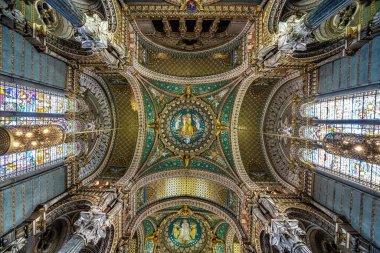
23 138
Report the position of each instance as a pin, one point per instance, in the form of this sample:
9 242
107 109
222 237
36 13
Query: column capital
91 225
286 235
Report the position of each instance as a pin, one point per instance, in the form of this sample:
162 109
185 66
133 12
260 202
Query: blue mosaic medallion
187 126
184 231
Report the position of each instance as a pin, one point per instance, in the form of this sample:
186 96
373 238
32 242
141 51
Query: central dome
187 126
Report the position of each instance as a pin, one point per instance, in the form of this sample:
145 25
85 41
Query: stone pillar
323 11
90 228
285 235
69 11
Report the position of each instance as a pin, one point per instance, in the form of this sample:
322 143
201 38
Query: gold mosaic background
126 135
250 132
172 187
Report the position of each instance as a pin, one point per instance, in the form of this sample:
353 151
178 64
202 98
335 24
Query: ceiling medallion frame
185 223
187 126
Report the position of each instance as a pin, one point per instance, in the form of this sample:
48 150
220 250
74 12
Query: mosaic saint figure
184 235
187 127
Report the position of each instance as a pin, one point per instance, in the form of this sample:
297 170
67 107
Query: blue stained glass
18 98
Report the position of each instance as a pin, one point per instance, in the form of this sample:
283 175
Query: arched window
318 132
357 106
358 171
21 106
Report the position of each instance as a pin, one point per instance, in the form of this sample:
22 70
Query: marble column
323 11
69 11
74 245
90 228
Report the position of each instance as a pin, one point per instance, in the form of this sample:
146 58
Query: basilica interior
190 126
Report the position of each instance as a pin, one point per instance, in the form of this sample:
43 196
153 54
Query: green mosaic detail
204 165
149 141
148 228
215 154
150 119
222 230
160 99
216 99
173 163
149 108
225 116
225 119
197 89
159 153
177 163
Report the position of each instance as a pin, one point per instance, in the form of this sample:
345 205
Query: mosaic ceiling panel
250 120
185 186
184 229
186 125
183 65
127 127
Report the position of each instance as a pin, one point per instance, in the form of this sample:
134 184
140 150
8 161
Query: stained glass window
18 98
358 171
318 132
356 106
20 163
21 99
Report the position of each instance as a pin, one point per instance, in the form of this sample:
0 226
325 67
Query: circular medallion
185 234
184 231
187 126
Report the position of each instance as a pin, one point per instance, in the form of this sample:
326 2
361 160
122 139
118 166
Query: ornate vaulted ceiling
187 127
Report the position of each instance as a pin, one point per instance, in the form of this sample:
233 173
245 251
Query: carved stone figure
293 35
94 34
286 235
8 9
92 225
268 204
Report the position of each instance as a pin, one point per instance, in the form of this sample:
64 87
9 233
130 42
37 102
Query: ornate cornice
225 11
223 213
227 182
109 7
228 45
129 74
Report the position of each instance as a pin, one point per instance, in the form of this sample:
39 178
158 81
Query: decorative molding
129 74
109 7
239 166
99 158
266 108
223 213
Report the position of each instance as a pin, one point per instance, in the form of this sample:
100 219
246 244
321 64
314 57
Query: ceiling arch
223 213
